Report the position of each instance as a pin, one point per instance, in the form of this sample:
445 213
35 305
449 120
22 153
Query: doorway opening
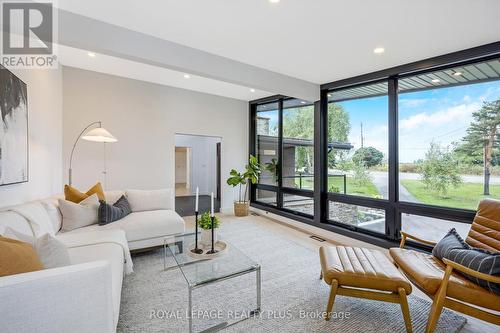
197 164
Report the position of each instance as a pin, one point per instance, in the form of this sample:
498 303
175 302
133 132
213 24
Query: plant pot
206 237
241 208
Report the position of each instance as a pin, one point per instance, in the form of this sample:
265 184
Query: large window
412 148
284 145
298 147
267 142
448 136
358 141
354 216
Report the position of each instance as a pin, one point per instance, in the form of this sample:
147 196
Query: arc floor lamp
98 134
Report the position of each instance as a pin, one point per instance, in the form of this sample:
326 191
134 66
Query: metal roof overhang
460 75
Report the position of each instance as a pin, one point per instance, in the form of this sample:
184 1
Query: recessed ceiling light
274 1
187 76
302 102
329 95
252 90
457 73
91 54
378 50
436 80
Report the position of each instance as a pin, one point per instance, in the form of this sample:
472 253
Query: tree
368 156
439 170
338 130
299 123
482 134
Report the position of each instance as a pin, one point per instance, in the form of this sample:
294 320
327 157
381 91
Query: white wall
45 134
145 117
203 171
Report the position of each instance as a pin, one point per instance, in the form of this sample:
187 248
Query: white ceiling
101 63
314 40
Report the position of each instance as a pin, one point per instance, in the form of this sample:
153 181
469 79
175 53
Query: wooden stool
346 269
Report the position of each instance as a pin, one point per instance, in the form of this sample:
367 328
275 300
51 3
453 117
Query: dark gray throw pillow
454 248
450 241
110 213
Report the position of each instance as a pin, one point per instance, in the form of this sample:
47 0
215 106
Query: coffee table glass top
202 271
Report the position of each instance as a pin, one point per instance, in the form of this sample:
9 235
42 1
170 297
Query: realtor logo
28 35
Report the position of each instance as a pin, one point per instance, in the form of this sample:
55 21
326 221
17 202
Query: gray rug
293 297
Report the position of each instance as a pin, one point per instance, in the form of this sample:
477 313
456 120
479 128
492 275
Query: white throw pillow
51 251
149 200
79 215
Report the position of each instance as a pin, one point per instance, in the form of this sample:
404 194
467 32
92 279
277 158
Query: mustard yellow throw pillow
73 195
17 257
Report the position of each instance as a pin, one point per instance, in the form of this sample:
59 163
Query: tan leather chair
442 281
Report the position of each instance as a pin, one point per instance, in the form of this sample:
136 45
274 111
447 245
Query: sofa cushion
14 221
150 200
111 213
79 215
17 257
52 208
74 195
144 225
111 252
36 214
113 196
427 272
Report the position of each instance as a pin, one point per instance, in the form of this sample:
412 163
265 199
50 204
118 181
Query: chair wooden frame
399 297
441 299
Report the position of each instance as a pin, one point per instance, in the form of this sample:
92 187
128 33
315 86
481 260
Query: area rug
293 296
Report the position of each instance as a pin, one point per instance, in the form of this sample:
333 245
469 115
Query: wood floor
300 235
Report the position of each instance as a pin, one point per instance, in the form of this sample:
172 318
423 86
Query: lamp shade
99 135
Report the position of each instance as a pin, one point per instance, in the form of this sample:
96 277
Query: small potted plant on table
251 174
205 224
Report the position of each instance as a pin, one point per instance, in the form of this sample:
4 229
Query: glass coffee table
199 273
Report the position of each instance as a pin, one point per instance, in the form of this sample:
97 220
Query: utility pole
362 138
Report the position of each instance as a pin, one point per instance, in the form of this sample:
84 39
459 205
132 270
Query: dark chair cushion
110 213
454 248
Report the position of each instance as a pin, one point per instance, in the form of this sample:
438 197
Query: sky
440 115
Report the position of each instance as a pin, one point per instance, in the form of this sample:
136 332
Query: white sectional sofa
85 296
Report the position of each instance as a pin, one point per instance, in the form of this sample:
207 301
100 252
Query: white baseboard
312 230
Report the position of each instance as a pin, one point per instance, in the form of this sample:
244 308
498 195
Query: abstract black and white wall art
13 129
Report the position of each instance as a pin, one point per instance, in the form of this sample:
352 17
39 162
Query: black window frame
392 206
279 189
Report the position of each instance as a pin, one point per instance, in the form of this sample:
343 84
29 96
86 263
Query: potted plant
251 174
205 223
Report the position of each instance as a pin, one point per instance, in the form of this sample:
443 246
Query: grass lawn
368 190
467 195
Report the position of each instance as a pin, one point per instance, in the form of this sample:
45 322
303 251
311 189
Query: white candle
196 202
212 205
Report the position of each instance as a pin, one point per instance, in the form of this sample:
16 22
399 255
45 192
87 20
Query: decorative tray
220 246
